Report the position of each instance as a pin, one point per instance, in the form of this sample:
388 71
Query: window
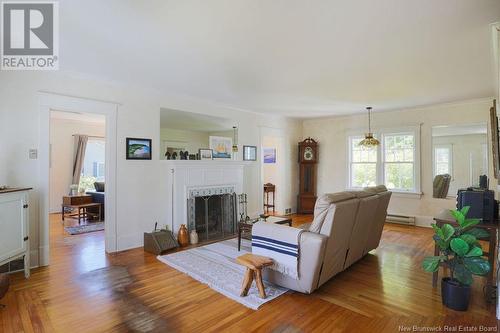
443 159
363 165
93 165
393 163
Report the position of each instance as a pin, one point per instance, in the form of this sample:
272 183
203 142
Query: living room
260 76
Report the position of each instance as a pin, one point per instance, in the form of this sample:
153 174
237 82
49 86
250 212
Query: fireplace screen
212 216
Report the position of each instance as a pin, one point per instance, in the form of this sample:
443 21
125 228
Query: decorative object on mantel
174 155
138 149
221 147
167 155
181 155
249 153
215 265
369 141
192 157
308 158
235 139
182 236
4 286
205 154
193 237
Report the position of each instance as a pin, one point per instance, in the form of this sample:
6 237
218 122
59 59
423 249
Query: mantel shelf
200 163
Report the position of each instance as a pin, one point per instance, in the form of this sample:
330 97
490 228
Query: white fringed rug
215 265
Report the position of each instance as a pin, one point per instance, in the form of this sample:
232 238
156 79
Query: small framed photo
222 147
269 155
138 149
249 153
205 154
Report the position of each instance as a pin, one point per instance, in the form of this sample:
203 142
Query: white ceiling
182 120
299 58
460 130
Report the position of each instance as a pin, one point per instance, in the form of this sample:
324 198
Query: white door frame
280 159
48 102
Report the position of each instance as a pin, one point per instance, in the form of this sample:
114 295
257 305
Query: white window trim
379 134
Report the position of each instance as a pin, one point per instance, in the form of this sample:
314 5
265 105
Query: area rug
84 228
215 265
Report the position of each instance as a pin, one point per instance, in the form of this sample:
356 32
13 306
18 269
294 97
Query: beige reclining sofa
346 226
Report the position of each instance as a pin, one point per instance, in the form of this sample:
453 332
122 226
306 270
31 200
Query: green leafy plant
459 248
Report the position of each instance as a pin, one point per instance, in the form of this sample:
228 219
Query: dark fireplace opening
214 216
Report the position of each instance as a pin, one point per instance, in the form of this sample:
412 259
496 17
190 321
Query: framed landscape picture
269 155
138 149
249 153
221 146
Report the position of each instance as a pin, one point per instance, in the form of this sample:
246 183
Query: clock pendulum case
308 159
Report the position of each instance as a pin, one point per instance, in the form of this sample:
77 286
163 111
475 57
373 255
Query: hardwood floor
84 290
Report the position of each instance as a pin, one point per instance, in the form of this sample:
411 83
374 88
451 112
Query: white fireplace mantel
186 175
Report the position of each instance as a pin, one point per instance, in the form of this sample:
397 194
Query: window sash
381 162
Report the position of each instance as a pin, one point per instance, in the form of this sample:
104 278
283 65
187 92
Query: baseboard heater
400 219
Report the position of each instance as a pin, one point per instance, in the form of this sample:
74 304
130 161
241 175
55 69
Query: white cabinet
14 230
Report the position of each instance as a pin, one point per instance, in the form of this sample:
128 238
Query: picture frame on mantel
249 153
222 147
205 154
138 149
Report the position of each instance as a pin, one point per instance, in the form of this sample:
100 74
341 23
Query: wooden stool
254 265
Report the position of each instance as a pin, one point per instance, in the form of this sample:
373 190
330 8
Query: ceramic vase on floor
182 236
193 237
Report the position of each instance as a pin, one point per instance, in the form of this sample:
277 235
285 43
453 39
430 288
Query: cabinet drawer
77 200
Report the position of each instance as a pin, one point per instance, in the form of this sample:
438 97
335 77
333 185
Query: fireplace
212 213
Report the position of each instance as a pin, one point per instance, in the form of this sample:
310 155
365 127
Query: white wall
142 195
62 150
332 138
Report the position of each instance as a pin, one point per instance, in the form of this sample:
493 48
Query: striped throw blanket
279 242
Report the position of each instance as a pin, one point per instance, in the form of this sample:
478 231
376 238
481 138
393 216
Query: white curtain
79 157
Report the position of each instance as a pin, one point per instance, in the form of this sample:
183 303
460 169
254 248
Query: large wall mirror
460 157
182 131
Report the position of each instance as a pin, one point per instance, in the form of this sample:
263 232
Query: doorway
77 172
77 109
272 171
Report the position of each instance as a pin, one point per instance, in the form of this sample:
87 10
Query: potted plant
460 251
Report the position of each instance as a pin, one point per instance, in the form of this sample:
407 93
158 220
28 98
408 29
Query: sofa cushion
99 186
322 205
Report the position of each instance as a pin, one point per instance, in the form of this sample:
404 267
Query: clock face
308 154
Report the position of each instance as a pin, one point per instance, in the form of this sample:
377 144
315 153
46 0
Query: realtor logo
30 35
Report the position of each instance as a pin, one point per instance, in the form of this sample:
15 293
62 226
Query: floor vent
400 219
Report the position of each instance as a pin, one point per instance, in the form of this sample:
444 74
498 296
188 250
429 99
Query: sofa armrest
311 252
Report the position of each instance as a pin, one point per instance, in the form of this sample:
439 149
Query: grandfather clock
308 158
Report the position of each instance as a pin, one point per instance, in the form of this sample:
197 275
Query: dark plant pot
455 295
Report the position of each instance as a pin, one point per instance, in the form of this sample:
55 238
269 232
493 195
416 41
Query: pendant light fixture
235 139
369 141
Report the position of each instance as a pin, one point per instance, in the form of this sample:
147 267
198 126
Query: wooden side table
81 203
246 226
492 228
269 189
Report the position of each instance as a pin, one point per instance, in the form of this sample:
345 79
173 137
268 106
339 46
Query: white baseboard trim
43 254
424 221
34 258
